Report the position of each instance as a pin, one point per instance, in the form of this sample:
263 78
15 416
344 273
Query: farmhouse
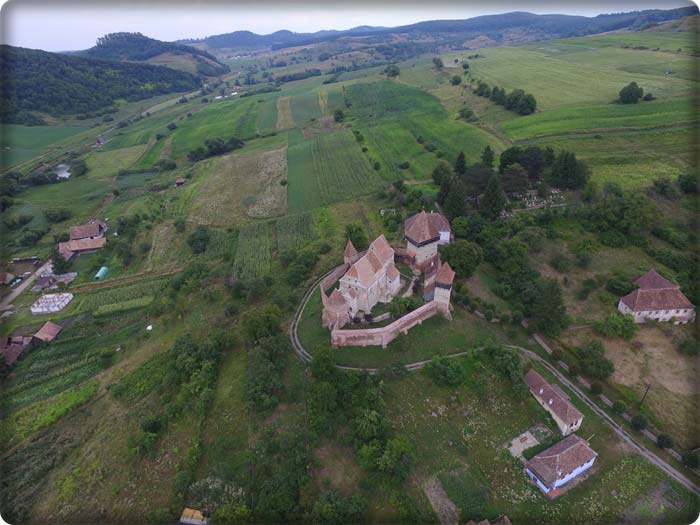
12 347
423 233
555 401
559 464
48 332
92 230
372 278
658 299
69 249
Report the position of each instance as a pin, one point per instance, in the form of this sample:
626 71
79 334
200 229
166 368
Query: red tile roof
68 248
366 269
85 231
561 459
553 398
350 250
49 331
655 293
425 227
445 275
12 353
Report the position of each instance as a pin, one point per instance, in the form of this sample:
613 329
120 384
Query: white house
556 402
559 464
658 299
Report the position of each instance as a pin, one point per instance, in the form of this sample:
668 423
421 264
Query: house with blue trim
559 464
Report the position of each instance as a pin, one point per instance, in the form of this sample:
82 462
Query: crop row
294 231
124 306
254 254
222 244
117 294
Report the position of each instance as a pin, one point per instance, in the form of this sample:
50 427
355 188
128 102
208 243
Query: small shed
101 272
179 181
48 332
193 517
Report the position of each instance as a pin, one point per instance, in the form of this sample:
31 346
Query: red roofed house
555 401
559 464
70 248
12 347
423 233
48 332
91 230
179 181
371 279
657 298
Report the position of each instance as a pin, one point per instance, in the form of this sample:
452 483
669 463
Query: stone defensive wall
333 277
386 334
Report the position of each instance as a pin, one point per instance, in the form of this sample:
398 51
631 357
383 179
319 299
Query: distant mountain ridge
136 47
493 26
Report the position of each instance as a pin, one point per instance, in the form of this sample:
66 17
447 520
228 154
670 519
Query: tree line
517 100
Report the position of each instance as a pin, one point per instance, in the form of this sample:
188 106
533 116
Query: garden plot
254 253
242 185
295 231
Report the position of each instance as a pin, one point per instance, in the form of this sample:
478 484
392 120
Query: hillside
504 28
60 85
135 47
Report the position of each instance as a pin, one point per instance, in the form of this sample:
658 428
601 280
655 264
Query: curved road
617 428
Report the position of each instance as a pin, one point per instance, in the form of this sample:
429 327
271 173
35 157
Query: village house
559 464
423 233
11 347
657 299
85 238
553 399
371 278
179 181
6 278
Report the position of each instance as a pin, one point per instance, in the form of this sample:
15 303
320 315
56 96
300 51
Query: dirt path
7 301
323 102
285 120
445 510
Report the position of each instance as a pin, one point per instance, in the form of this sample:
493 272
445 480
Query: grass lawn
27 142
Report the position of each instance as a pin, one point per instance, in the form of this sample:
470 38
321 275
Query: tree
619 407
232 514
465 66
689 183
664 441
437 62
514 179
493 201
691 459
455 200
338 115
617 325
464 257
445 371
596 388
631 93
442 173
261 323
593 361
639 422
460 164
199 239
355 232
368 425
60 265
547 311
331 508
568 172
487 157
396 460
456 80
392 70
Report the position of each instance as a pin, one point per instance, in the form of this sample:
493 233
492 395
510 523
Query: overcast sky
56 25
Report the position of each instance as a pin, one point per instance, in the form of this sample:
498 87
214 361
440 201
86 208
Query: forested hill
135 47
501 29
59 85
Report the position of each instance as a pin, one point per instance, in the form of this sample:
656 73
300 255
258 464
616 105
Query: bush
691 459
573 370
596 388
689 346
639 422
664 441
561 263
617 325
199 239
619 407
445 372
593 361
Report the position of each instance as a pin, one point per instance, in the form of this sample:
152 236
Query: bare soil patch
337 469
443 506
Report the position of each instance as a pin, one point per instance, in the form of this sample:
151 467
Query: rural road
617 428
7 301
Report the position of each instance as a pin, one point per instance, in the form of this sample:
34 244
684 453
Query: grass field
27 142
285 119
245 184
573 77
327 169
